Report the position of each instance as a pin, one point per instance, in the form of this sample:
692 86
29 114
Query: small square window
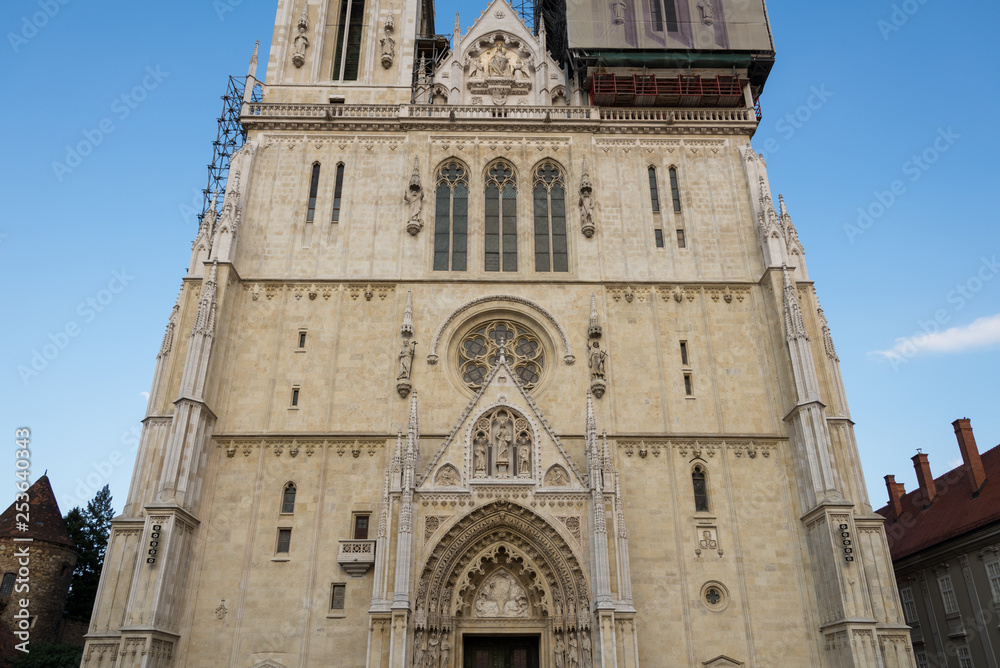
659 238
302 339
284 541
681 242
338 596
361 527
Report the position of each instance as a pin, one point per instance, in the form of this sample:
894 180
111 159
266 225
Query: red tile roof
46 522
953 513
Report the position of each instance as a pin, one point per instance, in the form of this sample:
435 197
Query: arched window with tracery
288 499
501 218
451 218
700 483
550 219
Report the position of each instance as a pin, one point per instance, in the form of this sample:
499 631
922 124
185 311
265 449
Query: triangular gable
503 389
723 661
46 521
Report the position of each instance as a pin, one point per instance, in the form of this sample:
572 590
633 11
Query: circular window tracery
479 352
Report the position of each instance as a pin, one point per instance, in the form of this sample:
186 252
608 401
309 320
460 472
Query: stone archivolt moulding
749 449
500 300
293 447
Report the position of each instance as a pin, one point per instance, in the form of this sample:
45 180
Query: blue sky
874 107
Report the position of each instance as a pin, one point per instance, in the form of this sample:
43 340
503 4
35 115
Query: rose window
480 350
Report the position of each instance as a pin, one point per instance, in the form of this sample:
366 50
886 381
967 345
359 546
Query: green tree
89 528
44 655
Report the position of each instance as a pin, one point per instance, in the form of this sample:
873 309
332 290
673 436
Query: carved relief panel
502 445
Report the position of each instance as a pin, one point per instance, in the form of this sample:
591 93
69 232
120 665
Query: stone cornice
407 118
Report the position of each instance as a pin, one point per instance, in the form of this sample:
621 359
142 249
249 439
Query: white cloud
981 333
145 395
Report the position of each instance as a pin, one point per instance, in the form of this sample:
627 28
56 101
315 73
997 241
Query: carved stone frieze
740 449
292 447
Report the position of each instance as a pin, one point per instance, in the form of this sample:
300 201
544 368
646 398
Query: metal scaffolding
230 137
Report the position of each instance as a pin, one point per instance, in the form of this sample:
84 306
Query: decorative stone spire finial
781 204
168 336
795 325
204 319
620 508
406 329
458 27
594 331
831 351
252 70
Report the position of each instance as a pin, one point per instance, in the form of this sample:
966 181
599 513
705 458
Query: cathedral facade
496 354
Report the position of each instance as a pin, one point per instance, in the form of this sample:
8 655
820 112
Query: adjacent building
499 350
38 570
944 538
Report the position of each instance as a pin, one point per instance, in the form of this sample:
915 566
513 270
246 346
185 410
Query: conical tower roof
46 522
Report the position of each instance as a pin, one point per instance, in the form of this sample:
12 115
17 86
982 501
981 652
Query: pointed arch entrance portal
502 588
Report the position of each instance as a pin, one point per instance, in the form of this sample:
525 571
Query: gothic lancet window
347 54
664 11
654 193
501 218
700 489
338 191
550 219
288 499
451 218
313 191
675 192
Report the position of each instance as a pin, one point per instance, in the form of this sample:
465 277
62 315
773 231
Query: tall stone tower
497 352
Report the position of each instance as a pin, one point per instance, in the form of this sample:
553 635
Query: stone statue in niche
523 457
559 649
598 359
448 477
499 62
586 205
503 444
707 12
588 656
301 42
403 384
414 197
501 596
618 12
418 649
432 652
572 659
445 650
475 67
388 49
556 477
480 454
406 359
